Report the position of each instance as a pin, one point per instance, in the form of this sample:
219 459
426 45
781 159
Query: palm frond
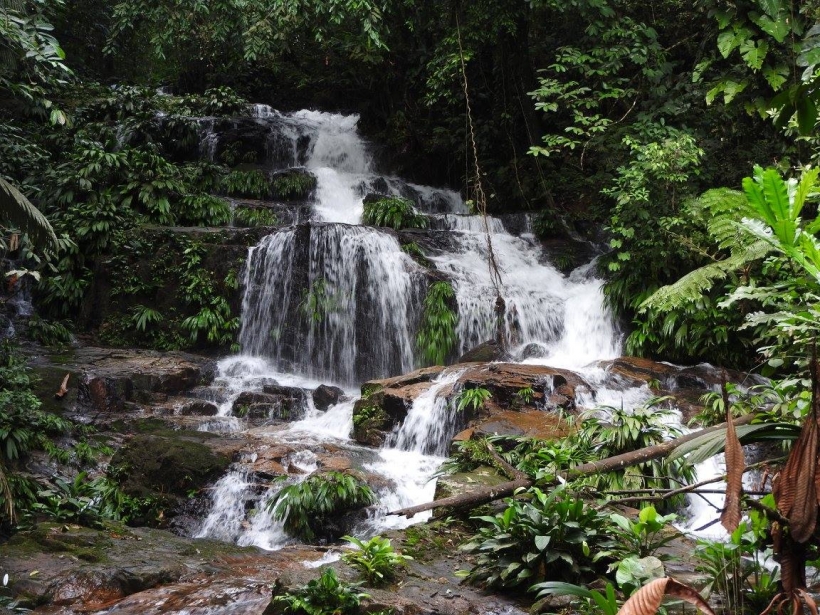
17 211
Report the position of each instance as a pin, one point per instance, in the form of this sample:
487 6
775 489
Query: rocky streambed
177 429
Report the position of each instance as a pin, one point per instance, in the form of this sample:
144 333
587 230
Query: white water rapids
371 293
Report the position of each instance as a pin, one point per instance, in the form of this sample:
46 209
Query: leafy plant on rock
375 559
472 399
327 595
254 216
547 537
611 431
436 337
293 185
246 184
313 506
393 212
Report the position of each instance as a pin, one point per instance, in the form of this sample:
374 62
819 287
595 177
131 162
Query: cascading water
334 301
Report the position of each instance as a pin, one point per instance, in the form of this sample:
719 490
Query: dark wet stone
325 396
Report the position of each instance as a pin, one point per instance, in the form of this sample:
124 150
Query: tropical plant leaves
16 210
647 600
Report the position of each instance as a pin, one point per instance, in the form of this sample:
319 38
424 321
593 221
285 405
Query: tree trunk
618 462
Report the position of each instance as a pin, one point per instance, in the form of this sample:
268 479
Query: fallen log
618 462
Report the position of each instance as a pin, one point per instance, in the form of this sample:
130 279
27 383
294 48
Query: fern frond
690 288
16 210
722 208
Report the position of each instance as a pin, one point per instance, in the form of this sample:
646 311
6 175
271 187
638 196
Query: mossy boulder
166 469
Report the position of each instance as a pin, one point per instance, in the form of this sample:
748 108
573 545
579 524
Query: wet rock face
274 402
166 469
108 379
325 396
521 398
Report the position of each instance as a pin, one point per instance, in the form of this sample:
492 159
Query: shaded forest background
608 119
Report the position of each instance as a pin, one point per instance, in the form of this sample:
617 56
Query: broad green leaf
806 116
754 53
778 28
776 76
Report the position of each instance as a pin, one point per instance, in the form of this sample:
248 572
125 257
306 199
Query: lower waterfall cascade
371 293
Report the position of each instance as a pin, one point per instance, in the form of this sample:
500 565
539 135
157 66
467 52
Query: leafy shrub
318 301
736 568
394 212
87 502
375 559
415 252
48 333
646 535
254 216
549 537
436 337
203 210
622 431
312 507
326 595
246 184
472 399
293 185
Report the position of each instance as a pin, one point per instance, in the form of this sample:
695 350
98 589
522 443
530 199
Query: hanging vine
481 202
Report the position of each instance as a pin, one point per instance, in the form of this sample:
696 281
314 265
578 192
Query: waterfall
332 301
336 302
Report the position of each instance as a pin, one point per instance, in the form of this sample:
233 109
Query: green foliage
246 184
736 568
770 219
376 559
645 536
651 186
144 316
394 212
436 337
254 216
204 210
595 602
472 399
614 53
525 395
311 507
415 252
87 502
768 56
47 332
319 301
611 431
548 537
326 595
293 185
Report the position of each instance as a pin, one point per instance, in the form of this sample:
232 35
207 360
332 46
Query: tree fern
722 209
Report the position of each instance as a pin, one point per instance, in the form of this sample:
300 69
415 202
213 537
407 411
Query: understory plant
538 537
327 595
394 212
436 337
375 559
313 507
472 399
609 431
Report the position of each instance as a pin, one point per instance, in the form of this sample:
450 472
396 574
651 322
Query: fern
722 209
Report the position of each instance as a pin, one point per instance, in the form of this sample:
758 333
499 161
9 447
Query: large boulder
166 468
325 396
522 399
109 378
